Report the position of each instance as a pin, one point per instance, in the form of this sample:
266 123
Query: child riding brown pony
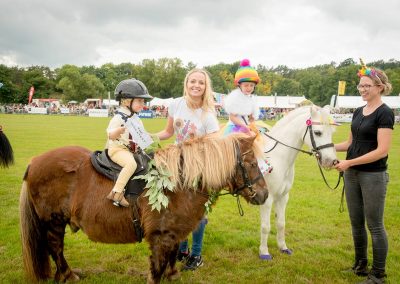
62 188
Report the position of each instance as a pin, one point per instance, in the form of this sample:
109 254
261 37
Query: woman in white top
189 116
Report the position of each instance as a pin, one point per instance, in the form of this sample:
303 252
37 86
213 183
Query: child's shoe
118 198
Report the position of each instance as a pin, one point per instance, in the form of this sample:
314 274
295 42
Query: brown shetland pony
62 188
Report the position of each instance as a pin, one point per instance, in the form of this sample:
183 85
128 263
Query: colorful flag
31 91
341 88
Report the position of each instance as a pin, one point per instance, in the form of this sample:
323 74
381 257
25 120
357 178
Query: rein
284 144
314 151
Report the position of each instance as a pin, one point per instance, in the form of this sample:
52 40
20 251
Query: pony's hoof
174 276
265 256
286 251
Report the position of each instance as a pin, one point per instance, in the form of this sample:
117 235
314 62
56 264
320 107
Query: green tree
287 87
42 79
222 76
163 78
9 89
79 87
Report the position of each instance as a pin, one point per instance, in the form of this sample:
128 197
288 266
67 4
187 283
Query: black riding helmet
130 89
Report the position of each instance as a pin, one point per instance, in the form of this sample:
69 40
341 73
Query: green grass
319 235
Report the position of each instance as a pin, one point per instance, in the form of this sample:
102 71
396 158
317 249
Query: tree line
164 79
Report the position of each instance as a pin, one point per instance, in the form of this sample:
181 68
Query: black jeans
365 196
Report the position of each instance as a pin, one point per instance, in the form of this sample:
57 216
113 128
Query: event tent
262 101
107 102
356 101
160 102
279 101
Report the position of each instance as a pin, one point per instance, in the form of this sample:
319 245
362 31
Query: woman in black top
365 172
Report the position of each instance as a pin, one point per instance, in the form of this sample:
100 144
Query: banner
341 88
31 91
37 110
146 114
94 112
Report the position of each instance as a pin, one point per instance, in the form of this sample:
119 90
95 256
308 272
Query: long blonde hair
207 103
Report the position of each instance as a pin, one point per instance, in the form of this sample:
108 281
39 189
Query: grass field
319 235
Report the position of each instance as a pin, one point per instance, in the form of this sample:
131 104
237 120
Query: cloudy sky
296 33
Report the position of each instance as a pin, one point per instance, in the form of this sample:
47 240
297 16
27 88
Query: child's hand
116 133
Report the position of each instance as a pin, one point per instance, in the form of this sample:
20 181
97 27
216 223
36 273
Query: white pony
310 125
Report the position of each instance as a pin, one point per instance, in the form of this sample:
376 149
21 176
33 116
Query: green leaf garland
158 180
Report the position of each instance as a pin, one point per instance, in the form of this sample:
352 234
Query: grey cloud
53 33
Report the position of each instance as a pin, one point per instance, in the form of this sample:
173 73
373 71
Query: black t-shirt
364 130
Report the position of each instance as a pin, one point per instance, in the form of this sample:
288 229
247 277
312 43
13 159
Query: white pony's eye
318 133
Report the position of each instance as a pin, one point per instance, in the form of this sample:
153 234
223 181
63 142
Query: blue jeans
365 196
197 239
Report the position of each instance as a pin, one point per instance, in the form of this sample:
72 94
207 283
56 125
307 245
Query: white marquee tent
262 101
110 102
279 101
160 102
356 101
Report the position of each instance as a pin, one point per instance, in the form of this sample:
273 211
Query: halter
247 183
314 151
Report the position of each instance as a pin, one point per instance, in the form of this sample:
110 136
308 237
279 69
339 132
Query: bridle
247 182
316 150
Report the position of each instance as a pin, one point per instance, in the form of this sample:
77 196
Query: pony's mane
208 161
292 114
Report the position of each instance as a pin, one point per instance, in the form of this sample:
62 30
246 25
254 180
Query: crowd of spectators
51 108
83 109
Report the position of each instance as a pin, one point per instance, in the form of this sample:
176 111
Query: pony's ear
314 110
251 137
328 108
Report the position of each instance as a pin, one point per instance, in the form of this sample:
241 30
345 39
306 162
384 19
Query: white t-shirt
189 123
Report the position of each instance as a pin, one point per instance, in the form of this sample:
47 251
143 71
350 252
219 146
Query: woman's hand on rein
342 165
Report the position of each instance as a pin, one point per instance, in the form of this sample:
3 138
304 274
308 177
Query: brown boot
118 198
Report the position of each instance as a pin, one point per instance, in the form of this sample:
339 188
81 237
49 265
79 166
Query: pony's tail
33 236
6 151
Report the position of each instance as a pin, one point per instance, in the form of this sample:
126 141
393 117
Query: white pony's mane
323 116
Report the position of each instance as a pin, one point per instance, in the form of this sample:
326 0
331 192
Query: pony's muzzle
260 197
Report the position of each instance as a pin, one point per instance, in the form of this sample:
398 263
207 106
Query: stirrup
117 202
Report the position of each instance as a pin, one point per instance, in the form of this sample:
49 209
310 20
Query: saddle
105 166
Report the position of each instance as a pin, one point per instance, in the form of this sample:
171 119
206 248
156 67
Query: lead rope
240 208
341 207
324 178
